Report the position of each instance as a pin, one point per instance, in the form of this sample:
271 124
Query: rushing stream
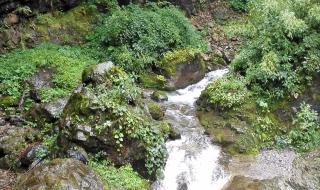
193 162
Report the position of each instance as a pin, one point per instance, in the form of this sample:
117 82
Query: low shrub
136 37
227 92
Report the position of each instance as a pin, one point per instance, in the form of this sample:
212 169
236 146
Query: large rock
13 141
246 183
60 174
100 119
48 111
96 73
81 121
186 72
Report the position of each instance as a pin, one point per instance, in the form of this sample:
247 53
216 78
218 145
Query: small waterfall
193 162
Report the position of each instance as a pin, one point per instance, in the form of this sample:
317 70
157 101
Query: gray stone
95 74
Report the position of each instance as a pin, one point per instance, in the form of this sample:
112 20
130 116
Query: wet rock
33 155
61 174
42 79
174 134
13 141
96 74
224 130
156 111
159 96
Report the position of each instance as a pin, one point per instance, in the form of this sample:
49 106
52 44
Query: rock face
274 169
47 112
60 174
33 155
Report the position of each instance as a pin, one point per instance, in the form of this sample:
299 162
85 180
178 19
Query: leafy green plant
124 121
227 92
282 49
118 178
306 134
136 37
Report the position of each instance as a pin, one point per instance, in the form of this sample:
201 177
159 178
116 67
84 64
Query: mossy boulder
159 96
156 111
182 68
107 116
176 70
41 113
96 73
13 141
60 174
8 101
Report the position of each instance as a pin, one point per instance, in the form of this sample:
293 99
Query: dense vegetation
275 65
277 62
137 37
67 63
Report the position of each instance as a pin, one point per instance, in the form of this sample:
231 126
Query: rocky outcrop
105 116
60 174
47 112
306 172
156 111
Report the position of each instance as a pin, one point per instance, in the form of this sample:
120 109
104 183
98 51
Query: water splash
193 162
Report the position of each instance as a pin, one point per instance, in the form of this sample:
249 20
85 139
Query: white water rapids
193 161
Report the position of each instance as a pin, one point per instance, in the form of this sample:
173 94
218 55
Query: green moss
66 27
151 80
165 128
8 101
156 111
19 65
170 60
